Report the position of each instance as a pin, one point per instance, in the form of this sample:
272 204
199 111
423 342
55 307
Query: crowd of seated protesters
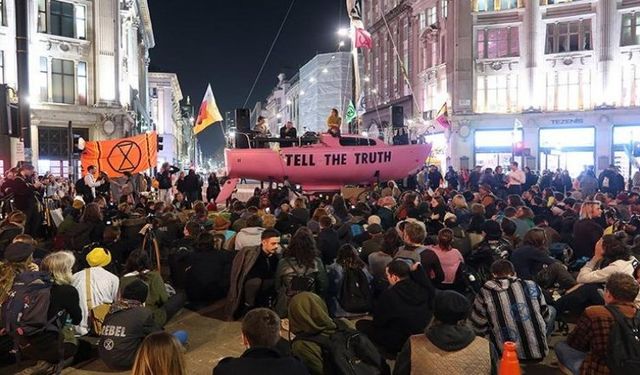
438 282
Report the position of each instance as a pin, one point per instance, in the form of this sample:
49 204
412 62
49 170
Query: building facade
88 64
164 99
559 75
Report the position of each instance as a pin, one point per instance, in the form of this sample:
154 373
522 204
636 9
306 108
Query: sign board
567 121
17 151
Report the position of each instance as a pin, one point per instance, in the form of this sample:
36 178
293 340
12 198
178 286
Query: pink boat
328 164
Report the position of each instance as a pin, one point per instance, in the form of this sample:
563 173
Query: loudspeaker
397 116
243 127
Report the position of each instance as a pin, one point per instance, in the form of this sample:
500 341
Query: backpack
300 282
623 352
348 352
355 294
82 188
25 311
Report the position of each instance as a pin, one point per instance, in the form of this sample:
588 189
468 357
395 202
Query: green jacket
157 293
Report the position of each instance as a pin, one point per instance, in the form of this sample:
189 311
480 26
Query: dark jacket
386 218
164 178
124 328
404 309
328 244
263 361
208 274
586 232
528 261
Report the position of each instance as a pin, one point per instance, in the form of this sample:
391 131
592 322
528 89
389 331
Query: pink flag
442 117
363 39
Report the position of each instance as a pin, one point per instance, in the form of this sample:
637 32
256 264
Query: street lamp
343 31
341 44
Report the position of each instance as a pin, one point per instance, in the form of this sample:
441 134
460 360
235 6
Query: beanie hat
78 204
98 257
18 252
492 229
450 307
137 290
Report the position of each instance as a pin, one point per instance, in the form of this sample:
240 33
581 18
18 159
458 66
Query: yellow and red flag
117 156
209 112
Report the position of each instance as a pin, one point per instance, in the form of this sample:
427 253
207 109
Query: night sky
225 42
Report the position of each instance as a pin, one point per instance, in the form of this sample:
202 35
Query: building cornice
391 15
145 16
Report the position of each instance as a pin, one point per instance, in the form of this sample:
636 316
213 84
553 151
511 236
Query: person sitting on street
250 235
511 309
260 335
95 285
253 275
585 351
403 310
328 240
448 345
125 327
160 354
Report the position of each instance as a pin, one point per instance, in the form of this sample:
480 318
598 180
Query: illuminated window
568 36
630 85
444 7
82 83
42 16
81 22
497 94
568 90
496 43
44 79
494 5
630 29
62 81
422 19
432 16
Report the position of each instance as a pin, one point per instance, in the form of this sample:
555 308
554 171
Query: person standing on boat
288 132
334 122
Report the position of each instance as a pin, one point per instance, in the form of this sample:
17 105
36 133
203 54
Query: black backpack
355 293
82 188
348 352
25 310
300 282
623 352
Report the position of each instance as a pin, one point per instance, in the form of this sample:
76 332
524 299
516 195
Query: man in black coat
328 240
403 310
260 334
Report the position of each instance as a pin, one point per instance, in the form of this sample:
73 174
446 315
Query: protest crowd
430 275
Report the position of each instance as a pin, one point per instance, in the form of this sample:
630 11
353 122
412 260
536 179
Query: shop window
444 7
497 94
497 43
495 5
62 81
568 90
623 138
495 147
630 29
568 36
432 16
569 149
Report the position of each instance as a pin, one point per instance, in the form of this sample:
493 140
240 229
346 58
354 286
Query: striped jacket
511 309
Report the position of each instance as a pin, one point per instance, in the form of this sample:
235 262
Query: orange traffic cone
509 364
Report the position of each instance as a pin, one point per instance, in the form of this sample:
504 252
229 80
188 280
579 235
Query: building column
105 29
607 86
532 46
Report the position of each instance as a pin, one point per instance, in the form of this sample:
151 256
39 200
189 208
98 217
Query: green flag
351 113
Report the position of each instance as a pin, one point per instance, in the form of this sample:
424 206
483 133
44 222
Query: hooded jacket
264 361
124 328
404 309
450 339
308 314
248 237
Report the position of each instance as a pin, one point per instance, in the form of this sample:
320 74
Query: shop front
439 147
623 138
495 147
571 149
53 150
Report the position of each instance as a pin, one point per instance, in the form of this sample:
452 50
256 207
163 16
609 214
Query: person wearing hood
403 310
126 325
250 235
253 275
95 285
508 308
448 345
385 212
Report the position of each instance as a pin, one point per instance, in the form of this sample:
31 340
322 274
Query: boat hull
325 168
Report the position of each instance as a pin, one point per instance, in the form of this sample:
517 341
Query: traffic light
160 145
636 149
78 145
518 148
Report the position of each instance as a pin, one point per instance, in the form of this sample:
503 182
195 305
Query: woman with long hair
300 212
92 218
159 354
340 210
346 261
49 347
138 266
300 270
460 208
314 223
334 122
447 258
587 231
